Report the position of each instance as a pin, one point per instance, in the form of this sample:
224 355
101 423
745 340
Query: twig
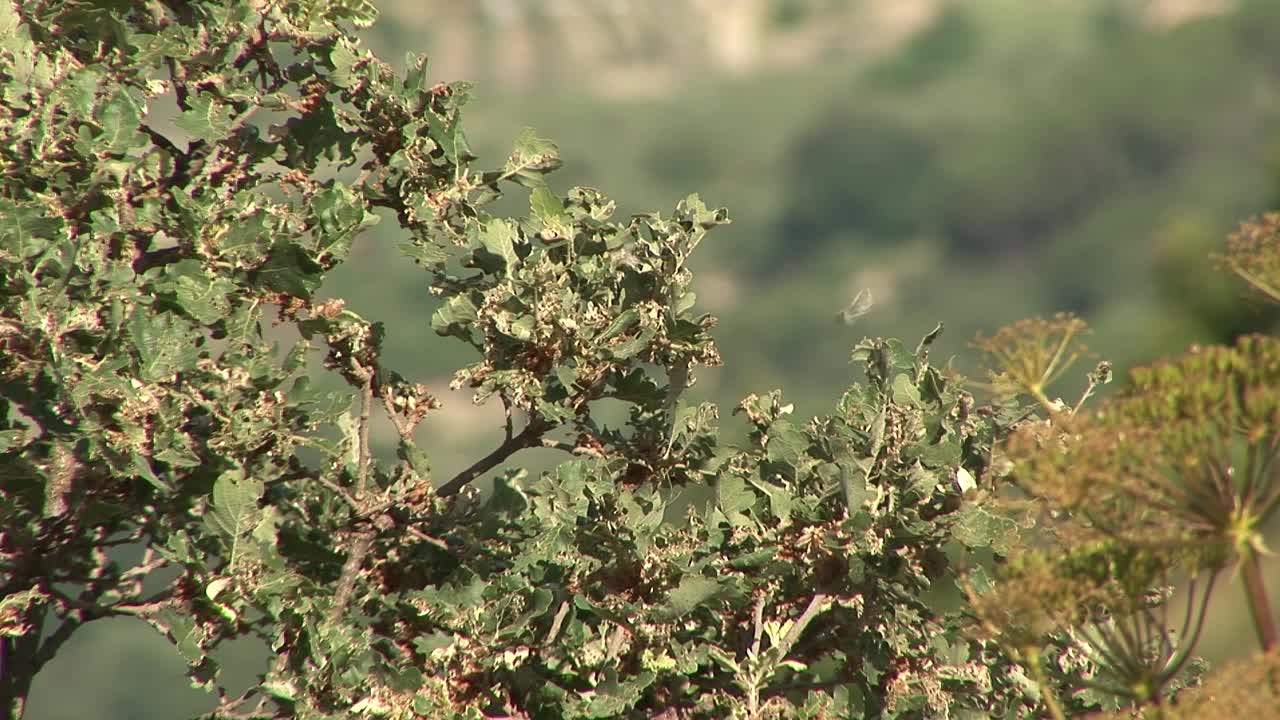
556 622
50 645
226 707
402 428
506 410
758 616
529 437
342 493
364 539
817 606
366 404
427 538
91 610
1264 622
569 447
347 580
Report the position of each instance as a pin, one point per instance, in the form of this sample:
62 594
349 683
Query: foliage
1253 254
992 142
1169 481
1214 299
175 174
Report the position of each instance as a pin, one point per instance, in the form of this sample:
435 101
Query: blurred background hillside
970 161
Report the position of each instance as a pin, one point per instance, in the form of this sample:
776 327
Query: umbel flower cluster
179 177
1167 483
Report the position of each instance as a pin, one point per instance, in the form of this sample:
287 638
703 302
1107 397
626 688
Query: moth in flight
860 306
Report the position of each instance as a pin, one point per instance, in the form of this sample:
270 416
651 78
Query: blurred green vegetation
1007 160
1010 159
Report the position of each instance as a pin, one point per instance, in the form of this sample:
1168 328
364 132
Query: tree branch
364 538
817 605
529 437
366 404
19 663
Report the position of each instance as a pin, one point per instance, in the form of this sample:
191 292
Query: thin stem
342 493
508 425
366 404
1256 593
1257 283
402 428
529 437
364 539
351 568
568 447
1051 371
1046 692
817 605
758 625
19 663
1088 393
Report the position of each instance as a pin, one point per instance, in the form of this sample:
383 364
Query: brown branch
366 403
817 605
508 425
89 608
50 645
415 532
402 428
364 539
1264 622
351 568
346 496
18 666
531 436
569 447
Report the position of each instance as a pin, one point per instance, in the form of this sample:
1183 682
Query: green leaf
290 270
205 297
943 454
755 560
182 631
620 324
787 443
455 317
25 231
499 238
922 349
208 119
120 117
430 642
694 591
567 377
247 240
416 459
629 348
905 391
548 208
531 157
780 500
11 439
978 526
612 698
343 59
280 690
449 136
734 498
854 484
340 215
522 328
164 342
234 512
424 252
